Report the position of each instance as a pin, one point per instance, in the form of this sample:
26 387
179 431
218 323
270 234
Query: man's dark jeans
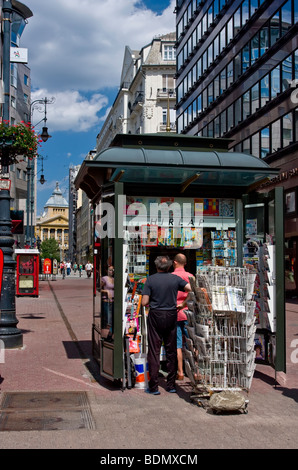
162 326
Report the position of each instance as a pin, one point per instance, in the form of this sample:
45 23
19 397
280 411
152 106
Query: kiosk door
27 273
107 319
264 249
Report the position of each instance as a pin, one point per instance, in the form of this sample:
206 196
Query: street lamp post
30 169
10 335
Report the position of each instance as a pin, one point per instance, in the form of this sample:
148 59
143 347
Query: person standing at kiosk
160 292
179 264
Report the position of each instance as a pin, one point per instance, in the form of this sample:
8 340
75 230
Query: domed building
53 223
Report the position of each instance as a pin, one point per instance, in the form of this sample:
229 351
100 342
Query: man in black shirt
160 292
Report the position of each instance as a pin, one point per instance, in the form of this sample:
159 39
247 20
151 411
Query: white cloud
71 110
76 52
79 44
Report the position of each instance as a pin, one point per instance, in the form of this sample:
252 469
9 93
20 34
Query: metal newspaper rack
219 353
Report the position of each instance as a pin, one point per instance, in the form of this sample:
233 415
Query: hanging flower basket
18 140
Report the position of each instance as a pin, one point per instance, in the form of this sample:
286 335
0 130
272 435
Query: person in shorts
179 264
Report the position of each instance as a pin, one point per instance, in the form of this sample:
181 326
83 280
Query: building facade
146 99
80 220
237 72
53 223
18 107
73 203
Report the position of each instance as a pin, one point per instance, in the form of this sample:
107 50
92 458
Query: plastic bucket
141 367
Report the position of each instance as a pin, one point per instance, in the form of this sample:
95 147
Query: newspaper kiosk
27 272
162 194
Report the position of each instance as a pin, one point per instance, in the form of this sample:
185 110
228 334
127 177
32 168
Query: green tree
50 249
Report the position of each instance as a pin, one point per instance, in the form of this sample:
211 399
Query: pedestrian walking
88 269
68 268
80 269
62 269
160 292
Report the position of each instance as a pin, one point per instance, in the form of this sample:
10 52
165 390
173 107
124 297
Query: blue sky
76 57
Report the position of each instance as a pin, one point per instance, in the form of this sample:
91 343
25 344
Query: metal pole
31 171
7 11
32 202
11 336
28 201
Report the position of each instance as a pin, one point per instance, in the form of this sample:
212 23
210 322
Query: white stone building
146 98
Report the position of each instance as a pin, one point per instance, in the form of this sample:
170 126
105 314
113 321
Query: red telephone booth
27 272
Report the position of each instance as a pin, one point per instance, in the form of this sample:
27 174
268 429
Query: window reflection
264 90
245 12
264 40
275 82
255 145
286 68
245 58
275 136
254 49
265 142
287 133
26 265
274 29
255 98
246 105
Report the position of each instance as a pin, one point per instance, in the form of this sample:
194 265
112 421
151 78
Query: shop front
165 194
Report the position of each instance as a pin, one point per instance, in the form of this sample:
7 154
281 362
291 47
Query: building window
254 49
246 146
286 17
255 102
26 80
238 111
164 116
245 12
287 130
275 82
14 75
245 58
168 83
264 90
169 53
286 71
265 142
255 145
275 136
237 21
274 29
264 40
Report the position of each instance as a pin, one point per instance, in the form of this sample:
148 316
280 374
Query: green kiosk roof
170 159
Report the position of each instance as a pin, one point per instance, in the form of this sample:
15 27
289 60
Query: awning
196 161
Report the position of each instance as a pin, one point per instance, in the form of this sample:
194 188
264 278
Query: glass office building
237 73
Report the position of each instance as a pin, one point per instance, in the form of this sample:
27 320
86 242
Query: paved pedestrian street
52 396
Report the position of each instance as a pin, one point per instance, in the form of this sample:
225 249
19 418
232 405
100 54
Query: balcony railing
165 93
162 127
137 102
